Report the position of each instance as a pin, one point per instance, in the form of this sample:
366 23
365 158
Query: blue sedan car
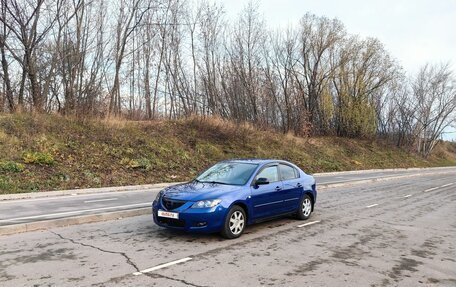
234 193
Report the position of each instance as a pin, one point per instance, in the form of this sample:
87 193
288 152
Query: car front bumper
206 220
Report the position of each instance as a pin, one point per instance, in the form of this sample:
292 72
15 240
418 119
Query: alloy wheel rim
306 207
237 222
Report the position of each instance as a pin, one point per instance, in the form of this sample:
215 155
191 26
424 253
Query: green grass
11 166
50 152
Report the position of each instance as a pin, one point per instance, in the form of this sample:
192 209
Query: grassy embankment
48 152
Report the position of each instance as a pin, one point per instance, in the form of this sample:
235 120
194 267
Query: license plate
168 214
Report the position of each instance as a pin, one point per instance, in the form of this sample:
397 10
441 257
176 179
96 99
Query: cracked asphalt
388 233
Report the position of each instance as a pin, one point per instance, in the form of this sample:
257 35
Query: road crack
156 275
128 259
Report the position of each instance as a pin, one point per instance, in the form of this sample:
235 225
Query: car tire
235 223
305 207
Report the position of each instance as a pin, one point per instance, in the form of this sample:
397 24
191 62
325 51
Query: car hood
194 191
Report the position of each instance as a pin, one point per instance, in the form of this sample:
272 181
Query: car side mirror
261 181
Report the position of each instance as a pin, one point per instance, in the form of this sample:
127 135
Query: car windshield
232 173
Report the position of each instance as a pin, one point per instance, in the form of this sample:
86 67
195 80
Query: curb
68 192
63 222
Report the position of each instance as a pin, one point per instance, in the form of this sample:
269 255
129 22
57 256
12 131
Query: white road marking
408 195
163 266
354 179
431 189
372 205
77 211
101 200
448 184
309 223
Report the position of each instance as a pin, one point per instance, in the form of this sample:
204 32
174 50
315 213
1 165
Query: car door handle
278 188
299 185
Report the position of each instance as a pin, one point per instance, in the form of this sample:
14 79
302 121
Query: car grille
171 221
171 204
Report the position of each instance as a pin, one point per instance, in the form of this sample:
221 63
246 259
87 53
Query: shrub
142 163
209 150
92 177
41 158
5 184
11 166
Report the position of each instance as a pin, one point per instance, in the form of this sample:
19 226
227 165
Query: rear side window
288 172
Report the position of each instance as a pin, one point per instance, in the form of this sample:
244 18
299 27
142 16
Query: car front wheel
305 207
234 223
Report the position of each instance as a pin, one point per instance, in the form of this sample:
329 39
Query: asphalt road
47 208
388 233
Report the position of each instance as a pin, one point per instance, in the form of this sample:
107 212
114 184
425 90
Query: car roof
255 160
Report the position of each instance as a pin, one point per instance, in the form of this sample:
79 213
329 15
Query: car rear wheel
234 223
305 207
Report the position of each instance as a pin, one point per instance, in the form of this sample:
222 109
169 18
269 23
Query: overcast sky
413 31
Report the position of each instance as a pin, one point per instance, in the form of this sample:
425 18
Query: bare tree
282 57
365 70
25 21
246 59
320 39
8 92
434 91
210 27
126 24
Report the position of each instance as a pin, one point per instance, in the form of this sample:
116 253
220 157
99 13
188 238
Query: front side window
233 173
288 172
270 173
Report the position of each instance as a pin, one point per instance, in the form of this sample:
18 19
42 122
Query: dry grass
47 152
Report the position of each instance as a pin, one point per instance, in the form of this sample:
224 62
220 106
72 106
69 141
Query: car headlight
157 198
206 203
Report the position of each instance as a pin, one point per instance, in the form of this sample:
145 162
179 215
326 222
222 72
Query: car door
266 198
292 186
